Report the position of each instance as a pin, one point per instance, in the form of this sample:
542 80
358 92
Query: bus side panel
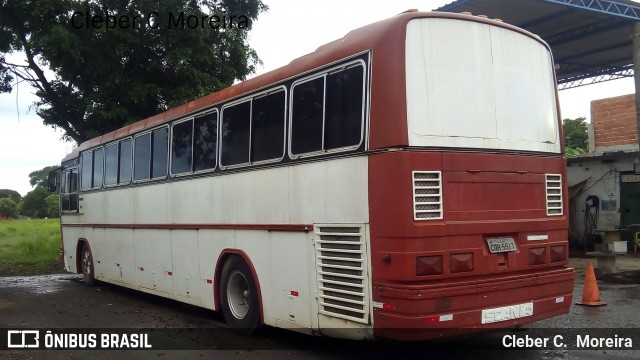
210 244
186 271
118 255
334 191
70 236
292 292
153 260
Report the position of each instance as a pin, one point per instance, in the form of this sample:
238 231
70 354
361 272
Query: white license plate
498 245
507 313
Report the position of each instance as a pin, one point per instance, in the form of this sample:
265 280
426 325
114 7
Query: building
604 185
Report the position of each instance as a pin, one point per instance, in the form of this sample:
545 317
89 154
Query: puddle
43 284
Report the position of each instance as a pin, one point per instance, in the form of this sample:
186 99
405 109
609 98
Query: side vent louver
342 272
427 195
554 194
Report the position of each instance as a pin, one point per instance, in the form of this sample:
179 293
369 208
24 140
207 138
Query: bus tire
86 261
239 297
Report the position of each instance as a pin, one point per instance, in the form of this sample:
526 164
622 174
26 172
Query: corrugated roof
587 38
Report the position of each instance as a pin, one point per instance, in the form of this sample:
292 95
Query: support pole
636 74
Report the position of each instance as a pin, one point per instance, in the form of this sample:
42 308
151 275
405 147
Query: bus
406 181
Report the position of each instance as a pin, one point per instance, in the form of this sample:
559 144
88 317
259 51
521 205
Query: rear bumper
420 312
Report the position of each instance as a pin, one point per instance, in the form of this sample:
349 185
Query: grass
29 247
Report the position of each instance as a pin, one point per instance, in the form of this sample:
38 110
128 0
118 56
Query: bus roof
382 37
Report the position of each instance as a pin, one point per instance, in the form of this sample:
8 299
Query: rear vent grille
342 272
554 194
427 195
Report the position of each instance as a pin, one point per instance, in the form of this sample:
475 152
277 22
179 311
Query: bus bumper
422 312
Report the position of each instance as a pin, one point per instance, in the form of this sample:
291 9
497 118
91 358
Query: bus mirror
52 183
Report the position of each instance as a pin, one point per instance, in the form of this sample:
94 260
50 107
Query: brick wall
614 121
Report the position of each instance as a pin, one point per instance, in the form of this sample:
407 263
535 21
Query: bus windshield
475 85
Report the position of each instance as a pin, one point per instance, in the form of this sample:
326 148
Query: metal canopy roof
590 39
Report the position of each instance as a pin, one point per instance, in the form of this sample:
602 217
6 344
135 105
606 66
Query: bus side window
98 168
343 108
160 152
236 121
205 136
86 165
73 190
182 147
142 157
69 190
111 164
126 159
306 116
267 127
327 112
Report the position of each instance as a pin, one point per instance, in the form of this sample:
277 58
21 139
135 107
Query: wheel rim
238 295
86 262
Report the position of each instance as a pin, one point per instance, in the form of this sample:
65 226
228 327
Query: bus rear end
469 218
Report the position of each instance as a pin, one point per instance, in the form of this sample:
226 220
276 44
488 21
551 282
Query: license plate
507 313
498 245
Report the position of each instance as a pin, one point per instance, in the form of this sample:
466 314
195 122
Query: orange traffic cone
590 293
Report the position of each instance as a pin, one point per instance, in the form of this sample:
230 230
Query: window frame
250 98
118 183
67 185
323 74
177 122
117 143
93 173
133 155
81 169
193 141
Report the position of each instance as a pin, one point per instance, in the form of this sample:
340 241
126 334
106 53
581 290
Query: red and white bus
402 182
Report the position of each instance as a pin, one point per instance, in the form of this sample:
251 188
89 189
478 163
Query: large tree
104 78
40 177
575 134
8 208
34 204
12 194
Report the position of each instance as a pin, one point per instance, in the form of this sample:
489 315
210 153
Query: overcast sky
290 29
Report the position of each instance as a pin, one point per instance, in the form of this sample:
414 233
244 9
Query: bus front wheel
88 275
239 297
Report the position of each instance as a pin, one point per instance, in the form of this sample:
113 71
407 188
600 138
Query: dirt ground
63 301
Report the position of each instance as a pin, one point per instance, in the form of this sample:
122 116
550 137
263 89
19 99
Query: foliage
53 205
40 177
574 151
8 208
575 134
4 193
34 204
108 77
29 247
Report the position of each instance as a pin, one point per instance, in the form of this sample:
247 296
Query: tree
575 134
53 205
12 194
40 177
110 73
8 208
34 204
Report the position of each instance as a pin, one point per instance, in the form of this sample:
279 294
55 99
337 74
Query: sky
290 29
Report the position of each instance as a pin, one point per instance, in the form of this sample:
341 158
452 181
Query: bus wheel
87 266
239 297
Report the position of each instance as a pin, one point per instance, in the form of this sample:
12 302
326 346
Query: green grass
29 247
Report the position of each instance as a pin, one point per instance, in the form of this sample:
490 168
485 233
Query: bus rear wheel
88 275
239 297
